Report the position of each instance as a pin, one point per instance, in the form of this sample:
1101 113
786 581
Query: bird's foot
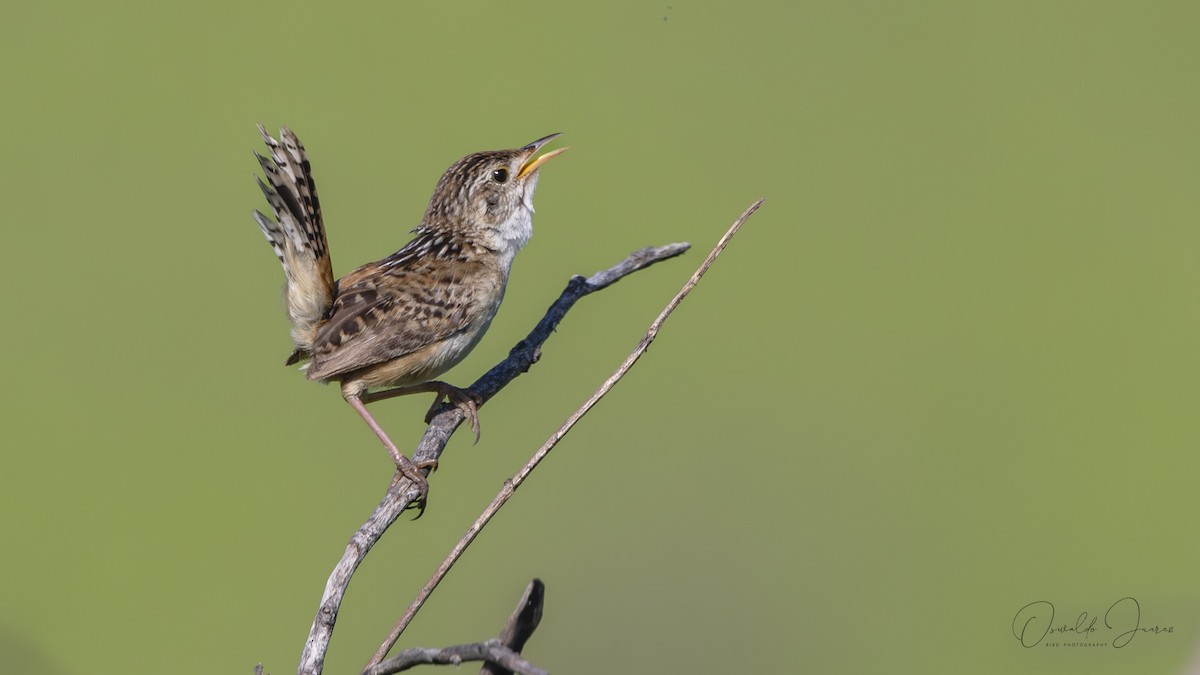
414 471
464 399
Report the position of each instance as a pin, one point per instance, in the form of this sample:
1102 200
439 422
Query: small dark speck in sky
668 9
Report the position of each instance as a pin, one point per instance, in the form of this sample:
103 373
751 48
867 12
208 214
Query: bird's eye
500 175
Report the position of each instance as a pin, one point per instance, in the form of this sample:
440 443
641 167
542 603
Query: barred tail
297 234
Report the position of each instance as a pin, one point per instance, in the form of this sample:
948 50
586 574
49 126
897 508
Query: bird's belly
424 364
450 352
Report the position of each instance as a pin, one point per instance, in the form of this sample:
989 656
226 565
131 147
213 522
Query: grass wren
390 327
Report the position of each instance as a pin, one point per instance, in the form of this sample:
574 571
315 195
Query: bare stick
491 651
520 625
510 486
401 493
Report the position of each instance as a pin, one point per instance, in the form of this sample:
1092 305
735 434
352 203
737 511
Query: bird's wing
384 312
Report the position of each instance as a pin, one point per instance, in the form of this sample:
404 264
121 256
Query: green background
948 369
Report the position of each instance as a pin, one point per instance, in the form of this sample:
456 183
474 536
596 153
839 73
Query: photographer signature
1035 621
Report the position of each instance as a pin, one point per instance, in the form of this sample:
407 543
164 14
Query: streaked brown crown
484 190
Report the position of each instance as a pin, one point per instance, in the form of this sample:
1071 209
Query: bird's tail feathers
297 234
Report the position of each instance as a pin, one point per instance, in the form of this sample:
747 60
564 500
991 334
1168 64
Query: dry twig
491 651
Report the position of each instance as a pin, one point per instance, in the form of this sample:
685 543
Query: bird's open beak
534 163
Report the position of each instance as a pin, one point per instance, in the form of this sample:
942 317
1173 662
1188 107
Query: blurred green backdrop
947 370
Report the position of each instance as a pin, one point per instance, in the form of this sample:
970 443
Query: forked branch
503 652
501 656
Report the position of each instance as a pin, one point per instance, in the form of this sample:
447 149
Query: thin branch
510 485
401 493
491 651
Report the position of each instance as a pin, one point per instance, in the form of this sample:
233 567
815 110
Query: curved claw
463 399
412 471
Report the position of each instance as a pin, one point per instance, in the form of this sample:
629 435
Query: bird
390 327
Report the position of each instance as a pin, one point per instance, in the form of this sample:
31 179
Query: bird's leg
463 399
408 468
